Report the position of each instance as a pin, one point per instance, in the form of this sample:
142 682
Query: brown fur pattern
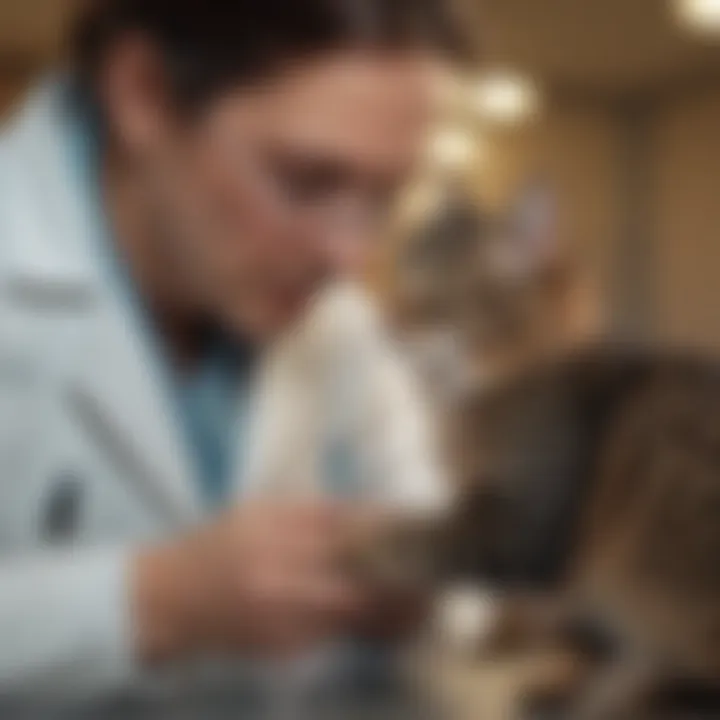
600 476
591 498
590 482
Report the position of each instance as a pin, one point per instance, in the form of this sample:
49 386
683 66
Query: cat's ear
531 234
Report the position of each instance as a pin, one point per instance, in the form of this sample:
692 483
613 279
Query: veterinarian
195 394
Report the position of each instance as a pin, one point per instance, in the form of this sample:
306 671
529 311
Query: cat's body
590 498
589 479
595 482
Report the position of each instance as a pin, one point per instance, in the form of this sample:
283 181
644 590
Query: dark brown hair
211 45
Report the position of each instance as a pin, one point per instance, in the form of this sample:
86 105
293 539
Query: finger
394 617
328 595
294 635
299 550
318 536
325 517
310 552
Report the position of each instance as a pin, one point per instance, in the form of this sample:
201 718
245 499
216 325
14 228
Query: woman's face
275 189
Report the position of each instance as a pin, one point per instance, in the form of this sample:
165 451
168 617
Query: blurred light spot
505 97
454 148
465 617
700 15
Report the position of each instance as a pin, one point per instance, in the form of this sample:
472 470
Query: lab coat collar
50 244
53 264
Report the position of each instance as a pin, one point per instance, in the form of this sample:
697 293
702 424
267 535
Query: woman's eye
309 182
382 204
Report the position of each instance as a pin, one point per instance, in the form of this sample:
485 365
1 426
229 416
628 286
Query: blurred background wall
686 212
625 126
31 33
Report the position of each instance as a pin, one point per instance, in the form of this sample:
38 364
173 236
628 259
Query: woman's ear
136 94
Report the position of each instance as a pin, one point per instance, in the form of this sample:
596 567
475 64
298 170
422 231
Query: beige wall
582 152
687 219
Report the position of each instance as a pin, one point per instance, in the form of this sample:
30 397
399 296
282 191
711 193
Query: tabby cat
589 479
591 498
595 481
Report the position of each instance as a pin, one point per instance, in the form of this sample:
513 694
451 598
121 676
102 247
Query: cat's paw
465 619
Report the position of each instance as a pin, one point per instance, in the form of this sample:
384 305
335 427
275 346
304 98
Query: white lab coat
91 461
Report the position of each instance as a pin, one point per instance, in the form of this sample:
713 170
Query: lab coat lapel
120 395
115 387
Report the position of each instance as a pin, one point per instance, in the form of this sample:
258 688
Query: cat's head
478 292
